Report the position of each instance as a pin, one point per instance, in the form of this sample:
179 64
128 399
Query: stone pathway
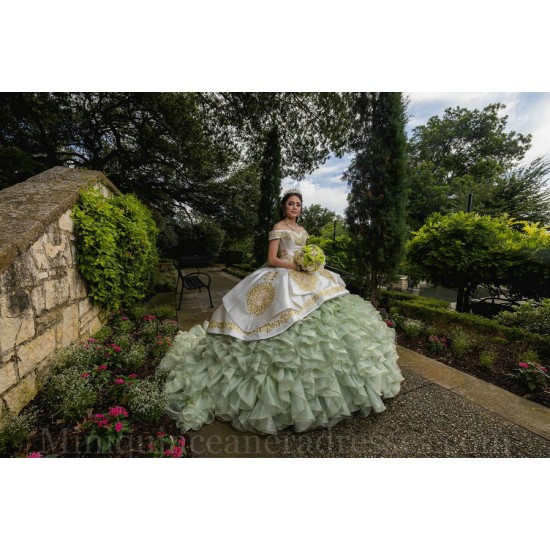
440 412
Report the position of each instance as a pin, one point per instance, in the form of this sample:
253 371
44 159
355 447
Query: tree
311 125
378 186
270 190
457 251
171 149
470 151
315 217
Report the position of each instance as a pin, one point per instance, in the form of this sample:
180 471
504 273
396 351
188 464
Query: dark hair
285 198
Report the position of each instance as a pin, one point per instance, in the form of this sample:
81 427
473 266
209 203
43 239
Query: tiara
292 191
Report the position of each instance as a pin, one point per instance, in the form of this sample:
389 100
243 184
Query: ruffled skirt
338 360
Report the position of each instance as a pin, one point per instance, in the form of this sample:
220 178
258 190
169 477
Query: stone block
7 376
59 335
34 352
77 289
38 299
66 223
38 254
21 394
57 292
15 330
13 297
70 325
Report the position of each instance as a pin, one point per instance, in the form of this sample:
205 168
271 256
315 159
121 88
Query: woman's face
293 207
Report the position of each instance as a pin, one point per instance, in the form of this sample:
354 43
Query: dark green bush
528 316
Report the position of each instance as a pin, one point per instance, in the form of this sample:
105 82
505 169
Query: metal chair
192 281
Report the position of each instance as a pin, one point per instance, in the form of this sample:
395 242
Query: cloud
333 198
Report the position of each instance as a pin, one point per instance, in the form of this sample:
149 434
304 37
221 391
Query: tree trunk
373 289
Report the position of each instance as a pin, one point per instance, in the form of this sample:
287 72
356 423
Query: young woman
285 348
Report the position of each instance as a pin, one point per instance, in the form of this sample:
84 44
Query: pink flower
125 319
116 348
34 455
102 367
85 375
523 365
118 426
160 434
543 369
181 441
118 411
389 323
92 340
119 381
133 376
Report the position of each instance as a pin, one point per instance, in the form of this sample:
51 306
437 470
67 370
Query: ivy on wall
116 247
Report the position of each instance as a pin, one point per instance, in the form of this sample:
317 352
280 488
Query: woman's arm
272 259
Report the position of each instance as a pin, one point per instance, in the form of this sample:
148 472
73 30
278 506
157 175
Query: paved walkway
440 412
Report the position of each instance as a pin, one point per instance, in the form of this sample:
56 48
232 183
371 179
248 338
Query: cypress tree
378 187
270 190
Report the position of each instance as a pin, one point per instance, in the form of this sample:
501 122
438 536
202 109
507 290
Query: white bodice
289 242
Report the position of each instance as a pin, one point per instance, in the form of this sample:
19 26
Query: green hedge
434 311
116 247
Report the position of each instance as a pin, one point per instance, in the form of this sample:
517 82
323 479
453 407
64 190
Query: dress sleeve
277 234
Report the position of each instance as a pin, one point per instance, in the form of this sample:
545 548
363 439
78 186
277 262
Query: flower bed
496 360
103 397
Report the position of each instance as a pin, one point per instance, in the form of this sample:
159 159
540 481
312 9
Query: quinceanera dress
286 348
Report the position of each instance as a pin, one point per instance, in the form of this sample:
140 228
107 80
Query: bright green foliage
116 245
527 262
459 251
464 250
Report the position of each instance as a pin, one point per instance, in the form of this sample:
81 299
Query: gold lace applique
259 298
306 281
326 273
283 317
272 275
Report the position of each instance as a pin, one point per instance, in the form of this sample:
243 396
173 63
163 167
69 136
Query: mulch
499 374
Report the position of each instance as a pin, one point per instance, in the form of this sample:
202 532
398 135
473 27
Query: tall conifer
378 186
270 190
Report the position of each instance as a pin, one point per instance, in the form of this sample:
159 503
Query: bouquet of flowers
310 258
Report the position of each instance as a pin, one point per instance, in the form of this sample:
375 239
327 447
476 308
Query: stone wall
43 301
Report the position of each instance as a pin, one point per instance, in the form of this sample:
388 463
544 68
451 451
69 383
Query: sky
528 113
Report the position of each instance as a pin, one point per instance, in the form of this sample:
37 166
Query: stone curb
511 407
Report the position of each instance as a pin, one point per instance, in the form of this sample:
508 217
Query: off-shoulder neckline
303 230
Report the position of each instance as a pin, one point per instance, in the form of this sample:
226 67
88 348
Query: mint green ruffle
338 360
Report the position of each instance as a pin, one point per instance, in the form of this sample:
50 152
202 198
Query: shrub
116 247
134 358
487 359
437 343
71 393
147 400
15 431
169 327
528 316
412 328
533 375
460 342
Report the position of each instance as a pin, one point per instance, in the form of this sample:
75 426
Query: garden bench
192 281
